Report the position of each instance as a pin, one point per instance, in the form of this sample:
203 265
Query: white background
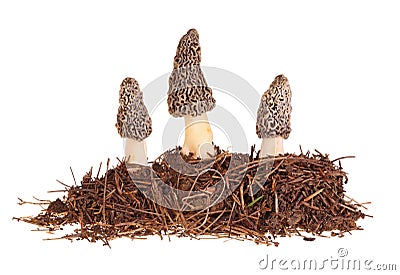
60 70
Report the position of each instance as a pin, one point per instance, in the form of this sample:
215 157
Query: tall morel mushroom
273 117
133 121
190 97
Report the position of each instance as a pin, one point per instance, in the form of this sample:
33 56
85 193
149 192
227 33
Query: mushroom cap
188 92
188 51
273 115
133 120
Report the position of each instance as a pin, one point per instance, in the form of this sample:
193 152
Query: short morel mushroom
190 97
133 121
273 117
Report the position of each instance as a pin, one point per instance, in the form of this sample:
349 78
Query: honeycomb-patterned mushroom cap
133 120
188 51
273 115
188 92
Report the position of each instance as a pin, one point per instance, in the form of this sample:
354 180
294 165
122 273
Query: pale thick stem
198 137
135 151
271 147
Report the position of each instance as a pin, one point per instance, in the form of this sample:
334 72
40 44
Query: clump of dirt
233 195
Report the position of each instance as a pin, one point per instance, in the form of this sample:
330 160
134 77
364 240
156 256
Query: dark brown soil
232 196
57 206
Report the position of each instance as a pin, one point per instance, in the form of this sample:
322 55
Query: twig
73 176
104 193
60 182
313 195
347 157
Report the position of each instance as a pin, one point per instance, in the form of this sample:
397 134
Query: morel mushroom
190 97
133 121
273 117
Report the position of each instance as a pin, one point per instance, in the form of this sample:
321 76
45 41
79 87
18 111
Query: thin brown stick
73 176
104 193
313 195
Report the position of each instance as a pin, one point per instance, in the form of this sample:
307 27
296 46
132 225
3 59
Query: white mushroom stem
198 137
135 151
271 146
